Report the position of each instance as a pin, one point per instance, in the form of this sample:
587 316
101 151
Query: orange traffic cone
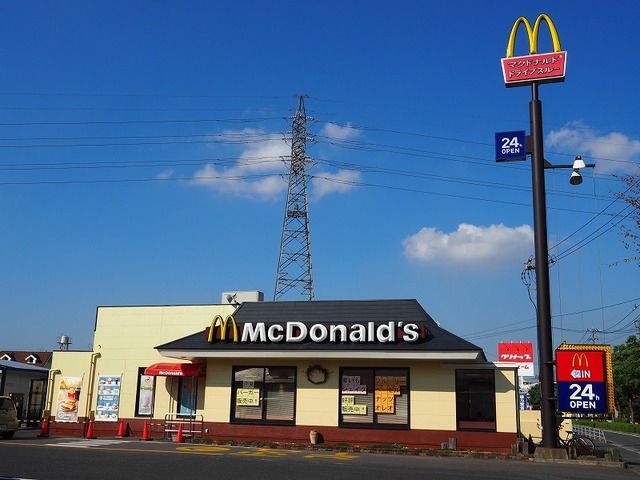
122 430
145 432
44 428
90 433
179 437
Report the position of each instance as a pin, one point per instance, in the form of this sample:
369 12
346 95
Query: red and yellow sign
585 378
572 365
535 67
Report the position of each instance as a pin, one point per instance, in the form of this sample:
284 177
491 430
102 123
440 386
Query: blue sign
523 398
510 146
582 397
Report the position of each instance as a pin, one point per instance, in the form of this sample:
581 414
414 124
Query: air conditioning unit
238 297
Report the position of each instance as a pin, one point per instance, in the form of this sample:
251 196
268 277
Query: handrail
192 425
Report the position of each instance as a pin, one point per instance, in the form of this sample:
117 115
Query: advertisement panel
581 378
145 394
108 398
67 399
520 353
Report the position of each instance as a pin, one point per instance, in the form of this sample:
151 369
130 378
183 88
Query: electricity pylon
294 261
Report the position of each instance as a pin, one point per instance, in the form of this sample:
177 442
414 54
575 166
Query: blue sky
141 147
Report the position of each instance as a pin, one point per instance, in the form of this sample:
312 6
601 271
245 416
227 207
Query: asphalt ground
27 456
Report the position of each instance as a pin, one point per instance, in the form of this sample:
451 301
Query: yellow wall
125 338
530 425
506 401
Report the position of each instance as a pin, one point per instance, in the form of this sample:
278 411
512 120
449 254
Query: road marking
203 449
88 443
332 456
264 452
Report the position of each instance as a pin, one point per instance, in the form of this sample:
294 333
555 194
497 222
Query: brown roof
42 358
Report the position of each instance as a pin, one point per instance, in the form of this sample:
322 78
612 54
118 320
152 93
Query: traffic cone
145 432
90 433
44 428
122 429
179 437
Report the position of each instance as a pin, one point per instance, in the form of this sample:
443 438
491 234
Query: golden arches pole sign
535 67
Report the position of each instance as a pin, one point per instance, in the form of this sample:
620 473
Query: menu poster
386 390
67 399
248 397
351 385
349 406
145 395
108 398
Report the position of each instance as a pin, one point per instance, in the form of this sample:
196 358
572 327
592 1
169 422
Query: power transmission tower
294 261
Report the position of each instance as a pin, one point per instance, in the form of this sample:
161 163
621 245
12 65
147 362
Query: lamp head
576 178
578 163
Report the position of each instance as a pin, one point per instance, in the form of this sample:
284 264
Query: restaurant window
476 400
144 394
374 397
264 395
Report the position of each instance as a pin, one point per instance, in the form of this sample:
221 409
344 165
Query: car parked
8 417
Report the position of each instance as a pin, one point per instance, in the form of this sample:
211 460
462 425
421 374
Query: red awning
175 370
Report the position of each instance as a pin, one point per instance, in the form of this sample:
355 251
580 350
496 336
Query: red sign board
580 366
541 68
520 353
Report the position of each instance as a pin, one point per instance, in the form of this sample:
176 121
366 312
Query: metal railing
594 434
192 425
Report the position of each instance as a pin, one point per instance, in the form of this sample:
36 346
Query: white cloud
340 182
612 152
471 245
337 132
165 174
261 160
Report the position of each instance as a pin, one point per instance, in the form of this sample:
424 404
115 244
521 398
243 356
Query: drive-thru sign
582 382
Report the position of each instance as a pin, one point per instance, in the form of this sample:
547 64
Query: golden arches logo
532 33
580 358
223 324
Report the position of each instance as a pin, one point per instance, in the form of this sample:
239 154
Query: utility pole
294 261
594 336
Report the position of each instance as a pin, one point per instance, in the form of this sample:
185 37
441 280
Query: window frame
374 424
488 372
263 405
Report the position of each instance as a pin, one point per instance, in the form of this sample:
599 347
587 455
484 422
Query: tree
626 375
534 396
631 235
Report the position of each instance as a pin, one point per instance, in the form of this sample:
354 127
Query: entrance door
36 400
187 390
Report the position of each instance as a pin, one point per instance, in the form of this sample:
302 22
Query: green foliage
534 396
626 376
615 426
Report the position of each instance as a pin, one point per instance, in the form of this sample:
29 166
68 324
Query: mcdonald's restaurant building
356 372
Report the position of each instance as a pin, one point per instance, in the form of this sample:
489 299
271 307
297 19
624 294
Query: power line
141 122
590 220
449 195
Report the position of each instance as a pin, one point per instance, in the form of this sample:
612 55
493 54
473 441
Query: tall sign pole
534 69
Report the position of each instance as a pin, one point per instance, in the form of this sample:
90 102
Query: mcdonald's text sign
581 381
535 67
